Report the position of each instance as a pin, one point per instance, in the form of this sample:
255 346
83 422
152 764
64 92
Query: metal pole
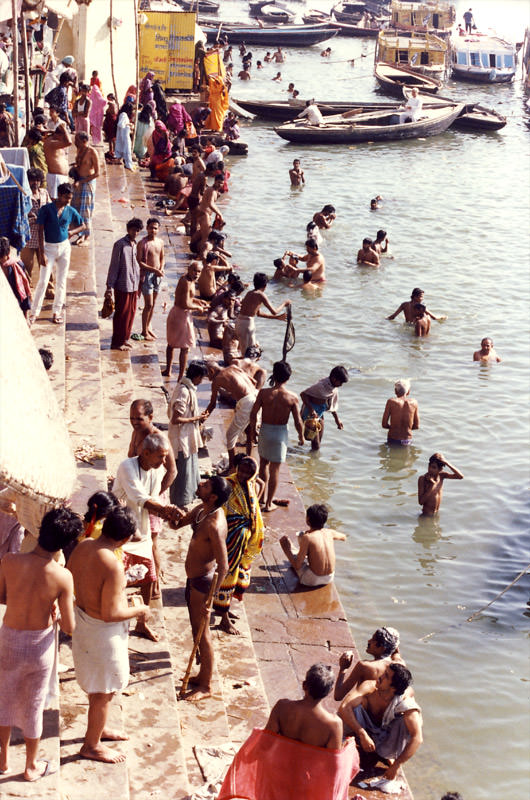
26 70
14 36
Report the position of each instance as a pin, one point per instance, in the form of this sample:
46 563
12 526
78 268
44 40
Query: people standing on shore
430 485
123 279
39 197
87 171
81 109
401 415
151 258
180 331
110 126
56 153
123 145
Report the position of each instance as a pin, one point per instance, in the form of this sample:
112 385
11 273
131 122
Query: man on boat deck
312 112
468 19
412 108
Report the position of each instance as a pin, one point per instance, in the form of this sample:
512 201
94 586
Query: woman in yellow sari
245 537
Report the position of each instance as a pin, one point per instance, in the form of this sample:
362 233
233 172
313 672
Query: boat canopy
400 47
483 51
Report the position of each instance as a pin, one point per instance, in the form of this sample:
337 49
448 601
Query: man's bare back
32 586
252 302
401 417
320 550
93 565
303 721
185 293
235 381
276 405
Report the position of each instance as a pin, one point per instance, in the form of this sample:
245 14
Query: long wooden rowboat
281 36
376 126
474 116
282 110
392 78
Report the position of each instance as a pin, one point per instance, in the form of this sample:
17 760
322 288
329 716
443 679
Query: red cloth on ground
272 767
122 321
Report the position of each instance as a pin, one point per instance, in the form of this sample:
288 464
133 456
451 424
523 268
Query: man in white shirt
137 484
412 108
312 112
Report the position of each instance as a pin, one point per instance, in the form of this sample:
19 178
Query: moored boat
484 59
423 52
473 117
373 126
203 6
350 12
284 110
392 78
436 16
281 36
271 12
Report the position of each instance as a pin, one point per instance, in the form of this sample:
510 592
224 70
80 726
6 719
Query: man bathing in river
241 387
421 322
276 404
296 174
367 255
315 544
314 261
430 485
206 561
100 640
251 308
383 646
407 308
384 717
487 354
306 720
323 396
401 415
324 219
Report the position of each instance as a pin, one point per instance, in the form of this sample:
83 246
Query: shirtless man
180 330
314 262
211 268
278 56
244 74
100 641
150 255
276 404
296 174
251 308
56 153
487 354
408 307
198 185
141 417
383 646
207 207
236 382
206 562
430 485
316 545
363 709
367 256
307 720
325 218
421 322
401 415
87 166
173 187
34 587
198 165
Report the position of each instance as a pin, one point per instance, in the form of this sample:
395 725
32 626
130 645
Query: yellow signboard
167 48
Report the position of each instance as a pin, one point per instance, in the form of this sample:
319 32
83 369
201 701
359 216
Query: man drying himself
322 397
407 308
250 309
100 641
385 718
383 646
206 560
244 539
236 382
277 404
150 255
32 586
87 167
431 485
315 544
307 720
401 415
124 278
179 325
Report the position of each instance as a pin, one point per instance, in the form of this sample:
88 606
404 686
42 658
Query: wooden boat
422 52
373 126
281 36
283 110
436 16
476 117
271 12
349 12
392 78
484 59
204 6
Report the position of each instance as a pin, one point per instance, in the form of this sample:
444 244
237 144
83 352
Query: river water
456 211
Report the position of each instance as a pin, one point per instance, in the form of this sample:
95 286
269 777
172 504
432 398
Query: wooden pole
14 36
112 56
137 54
26 70
204 622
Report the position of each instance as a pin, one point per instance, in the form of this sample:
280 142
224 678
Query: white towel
101 654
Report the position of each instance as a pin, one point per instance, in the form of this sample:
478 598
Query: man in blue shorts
151 258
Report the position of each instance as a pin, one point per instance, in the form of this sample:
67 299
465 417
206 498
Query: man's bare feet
151 335
142 629
199 693
233 615
228 627
124 348
109 735
102 753
42 769
279 502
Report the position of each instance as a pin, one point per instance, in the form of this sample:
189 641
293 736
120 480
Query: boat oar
198 638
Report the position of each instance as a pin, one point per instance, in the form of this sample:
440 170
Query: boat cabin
486 59
438 15
424 52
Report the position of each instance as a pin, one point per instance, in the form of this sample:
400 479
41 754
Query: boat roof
479 41
411 40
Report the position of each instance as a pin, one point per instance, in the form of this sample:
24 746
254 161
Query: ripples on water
456 212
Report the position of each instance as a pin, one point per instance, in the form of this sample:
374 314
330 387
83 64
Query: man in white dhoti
31 584
100 640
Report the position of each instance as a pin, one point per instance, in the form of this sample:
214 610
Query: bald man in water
401 415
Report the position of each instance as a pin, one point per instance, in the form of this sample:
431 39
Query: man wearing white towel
100 640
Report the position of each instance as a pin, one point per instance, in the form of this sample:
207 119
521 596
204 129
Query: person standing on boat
468 19
312 112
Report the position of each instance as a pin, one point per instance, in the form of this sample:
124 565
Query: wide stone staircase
283 630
